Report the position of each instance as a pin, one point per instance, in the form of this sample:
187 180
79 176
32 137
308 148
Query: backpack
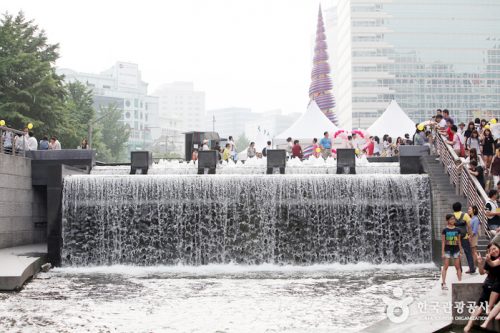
462 228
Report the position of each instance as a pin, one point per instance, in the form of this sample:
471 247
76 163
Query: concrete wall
17 204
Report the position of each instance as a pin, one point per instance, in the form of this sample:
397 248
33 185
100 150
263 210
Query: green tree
242 143
80 112
30 89
112 133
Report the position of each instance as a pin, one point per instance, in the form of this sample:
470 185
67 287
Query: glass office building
425 54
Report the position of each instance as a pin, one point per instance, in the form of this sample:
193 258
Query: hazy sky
248 53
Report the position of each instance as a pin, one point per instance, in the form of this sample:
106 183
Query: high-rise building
269 123
179 100
425 54
229 121
122 86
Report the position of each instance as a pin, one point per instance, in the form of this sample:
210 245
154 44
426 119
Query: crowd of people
17 143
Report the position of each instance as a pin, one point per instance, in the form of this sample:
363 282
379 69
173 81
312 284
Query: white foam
214 269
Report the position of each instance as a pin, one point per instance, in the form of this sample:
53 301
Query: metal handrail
14 131
465 182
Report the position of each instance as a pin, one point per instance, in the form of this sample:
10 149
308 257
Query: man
407 140
463 224
355 141
477 171
461 128
269 146
32 142
440 122
446 116
205 145
326 146
492 212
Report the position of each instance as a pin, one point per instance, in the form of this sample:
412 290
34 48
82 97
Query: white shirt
55 146
32 143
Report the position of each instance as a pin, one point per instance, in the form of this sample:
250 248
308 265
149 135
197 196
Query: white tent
312 124
394 121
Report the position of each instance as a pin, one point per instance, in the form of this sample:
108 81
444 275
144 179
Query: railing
451 161
465 183
13 149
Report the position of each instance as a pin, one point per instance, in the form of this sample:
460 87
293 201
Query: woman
388 147
84 144
399 143
475 226
251 151
455 140
376 148
482 125
473 141
469 130
489 296
473 156
316 148
495 167
194 155
488 144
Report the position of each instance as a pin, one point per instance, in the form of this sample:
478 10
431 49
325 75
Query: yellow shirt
226 155
466 218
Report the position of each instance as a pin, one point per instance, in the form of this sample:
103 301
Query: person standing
251 151
488 144
32 143
194 155
316 148
54 144
477 171
226 156
370 147
44 143
266 148
462 222
451 247
289 146
297 150
491 211
205 145
475 226
326 146
495 167
84 144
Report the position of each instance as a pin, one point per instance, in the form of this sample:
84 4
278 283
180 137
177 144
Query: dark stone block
140 160
409 159
276 158
346 160
207 159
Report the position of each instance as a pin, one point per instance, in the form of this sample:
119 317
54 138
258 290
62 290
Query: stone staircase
444 195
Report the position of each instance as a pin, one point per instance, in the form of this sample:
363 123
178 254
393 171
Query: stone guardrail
465 183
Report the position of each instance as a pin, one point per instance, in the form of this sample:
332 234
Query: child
451 248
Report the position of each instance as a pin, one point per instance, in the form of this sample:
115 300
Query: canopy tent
394 121
260 143
312 124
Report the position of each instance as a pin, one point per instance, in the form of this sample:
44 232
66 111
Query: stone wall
17 204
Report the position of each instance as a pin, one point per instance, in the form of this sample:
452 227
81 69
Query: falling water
246 219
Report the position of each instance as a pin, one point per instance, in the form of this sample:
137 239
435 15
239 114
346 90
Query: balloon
493 121
318 150
420 127
30 126
356 151
487 127
2 122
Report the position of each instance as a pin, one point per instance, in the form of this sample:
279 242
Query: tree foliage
78 105
112 133
242 143
30 89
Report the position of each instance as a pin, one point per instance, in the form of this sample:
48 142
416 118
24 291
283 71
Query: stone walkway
18 264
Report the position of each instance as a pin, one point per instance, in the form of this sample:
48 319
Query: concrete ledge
18 264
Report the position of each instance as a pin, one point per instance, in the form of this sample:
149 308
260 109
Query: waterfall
245 219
